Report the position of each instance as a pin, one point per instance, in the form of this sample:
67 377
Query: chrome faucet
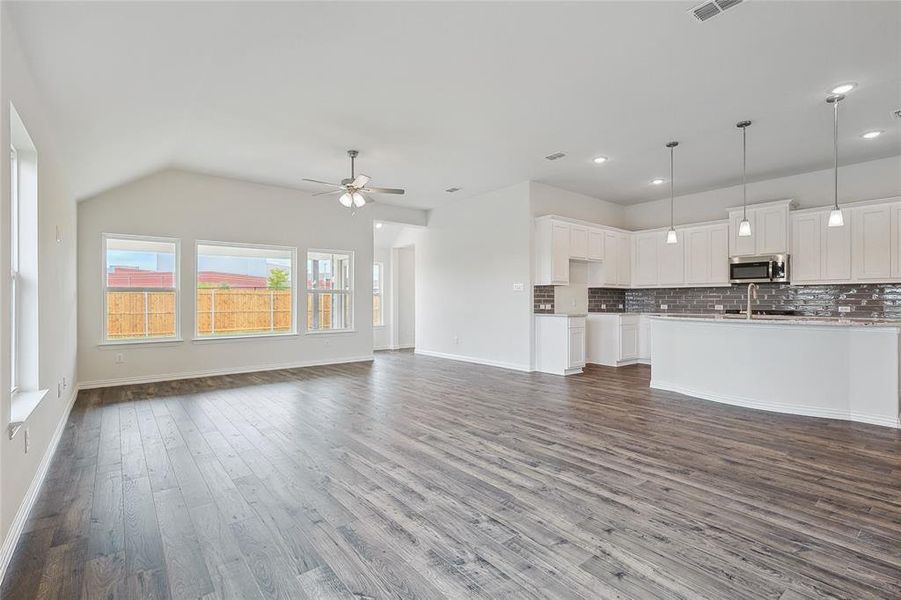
752 291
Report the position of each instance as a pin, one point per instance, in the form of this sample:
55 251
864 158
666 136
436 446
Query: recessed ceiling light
844 88
599 160
657 181
872 134
378 225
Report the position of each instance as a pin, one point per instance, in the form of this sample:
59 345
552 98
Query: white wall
56 293
548 200
405 296
862 181
467 261
192 207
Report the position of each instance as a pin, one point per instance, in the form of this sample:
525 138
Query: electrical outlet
65 383
603 307
120 358
844 309
59 390
456 339
664 306
27 441
619 305
718 307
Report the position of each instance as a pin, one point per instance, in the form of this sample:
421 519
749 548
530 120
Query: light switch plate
844 309
664 306
518 287
717 307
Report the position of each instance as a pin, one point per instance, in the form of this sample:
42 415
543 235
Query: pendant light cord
835 149
744 169
672 184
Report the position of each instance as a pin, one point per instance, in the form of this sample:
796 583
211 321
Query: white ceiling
463 94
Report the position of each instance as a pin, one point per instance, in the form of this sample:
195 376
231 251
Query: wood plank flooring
416 477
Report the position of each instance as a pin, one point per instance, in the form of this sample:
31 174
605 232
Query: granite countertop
783 320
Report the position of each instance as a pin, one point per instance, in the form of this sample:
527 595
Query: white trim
250 336
478 361
395 347
806 411
101 383
141 342
21 518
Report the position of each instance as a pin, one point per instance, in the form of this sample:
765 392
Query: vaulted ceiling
468 94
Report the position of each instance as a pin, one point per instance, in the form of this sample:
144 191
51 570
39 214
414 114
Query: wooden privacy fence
145 313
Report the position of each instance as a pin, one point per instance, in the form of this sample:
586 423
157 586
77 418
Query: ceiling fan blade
360 181
337 185
381 190
326 193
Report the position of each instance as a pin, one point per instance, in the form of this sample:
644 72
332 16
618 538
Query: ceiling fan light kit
351 188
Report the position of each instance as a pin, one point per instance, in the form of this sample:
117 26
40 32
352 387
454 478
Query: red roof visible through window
130 277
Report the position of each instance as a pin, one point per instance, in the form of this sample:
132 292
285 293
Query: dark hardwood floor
416 477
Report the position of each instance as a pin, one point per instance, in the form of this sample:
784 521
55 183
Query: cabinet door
644 271
578 242
624 260
697 255
806 254
896 241
719 255
835 246
670 260
871 243
611 257
560 253
628 341
576 347
772 234
741 246
595 244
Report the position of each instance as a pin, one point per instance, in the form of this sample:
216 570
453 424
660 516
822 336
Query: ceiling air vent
555 156
897 113
708 10
451 190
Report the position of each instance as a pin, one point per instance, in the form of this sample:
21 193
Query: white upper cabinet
624 258
835 248
769 229
697 256
806 253
871 242
719 255
552 242
670 260
644 259
578 242
896 241
595 244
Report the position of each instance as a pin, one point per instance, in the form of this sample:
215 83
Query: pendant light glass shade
358 199
835 216
744 228
671 236
346 200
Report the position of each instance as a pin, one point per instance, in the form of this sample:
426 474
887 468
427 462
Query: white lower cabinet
616 339
559 344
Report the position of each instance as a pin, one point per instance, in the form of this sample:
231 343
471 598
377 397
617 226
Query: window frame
214 338
14 285
104 288
351 328
380 293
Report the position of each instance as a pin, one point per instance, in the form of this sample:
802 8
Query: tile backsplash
867 301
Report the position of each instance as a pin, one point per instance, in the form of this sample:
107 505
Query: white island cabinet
559 344
831 369
617 339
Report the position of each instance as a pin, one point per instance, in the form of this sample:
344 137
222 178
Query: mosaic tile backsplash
866 301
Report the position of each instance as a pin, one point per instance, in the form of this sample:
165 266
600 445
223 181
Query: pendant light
671 237
744 228
835 216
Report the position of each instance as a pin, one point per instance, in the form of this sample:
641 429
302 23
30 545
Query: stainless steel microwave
774 268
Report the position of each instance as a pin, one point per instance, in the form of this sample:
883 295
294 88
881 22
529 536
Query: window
329 290
244 290
378 318
140 279
14 269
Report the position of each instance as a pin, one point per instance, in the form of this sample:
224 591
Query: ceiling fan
351 187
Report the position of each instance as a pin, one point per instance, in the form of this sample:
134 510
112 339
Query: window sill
330 331
227 338
141 342
22 405
378 326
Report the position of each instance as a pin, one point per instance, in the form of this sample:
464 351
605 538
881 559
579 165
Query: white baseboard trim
101 383
18 524
805 411
478 361
389 347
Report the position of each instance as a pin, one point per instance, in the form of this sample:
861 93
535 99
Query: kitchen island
831 368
